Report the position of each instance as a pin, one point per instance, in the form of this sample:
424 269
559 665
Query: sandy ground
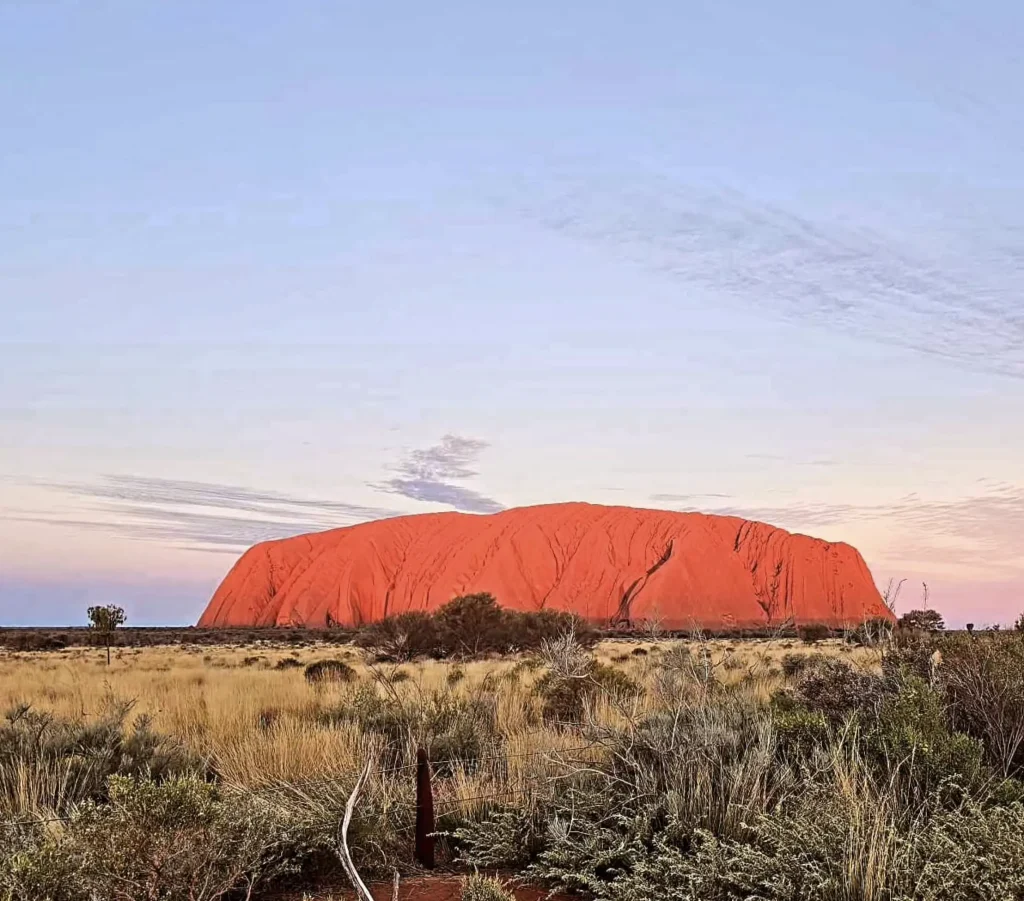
421 888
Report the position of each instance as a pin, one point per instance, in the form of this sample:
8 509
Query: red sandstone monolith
607 564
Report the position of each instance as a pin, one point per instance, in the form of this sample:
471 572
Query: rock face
608 564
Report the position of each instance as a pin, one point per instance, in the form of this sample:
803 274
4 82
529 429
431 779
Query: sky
267 268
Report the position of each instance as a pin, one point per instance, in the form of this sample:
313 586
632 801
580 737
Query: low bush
455 728
484 888
983 678
329 671
835 689
467 627
795 664
922 621
567 699
812 633
179 840
49 764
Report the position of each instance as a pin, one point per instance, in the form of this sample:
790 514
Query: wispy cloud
980 532
206 516
957 302
428 475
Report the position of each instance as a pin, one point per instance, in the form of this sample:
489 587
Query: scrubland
703 769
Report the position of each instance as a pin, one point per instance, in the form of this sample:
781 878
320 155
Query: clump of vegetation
329 671
983 680
922 621
484 888
176 839
468 627
48 765
812 633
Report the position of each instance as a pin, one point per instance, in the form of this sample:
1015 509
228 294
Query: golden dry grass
261 725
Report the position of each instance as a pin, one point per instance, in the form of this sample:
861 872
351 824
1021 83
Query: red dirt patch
427 888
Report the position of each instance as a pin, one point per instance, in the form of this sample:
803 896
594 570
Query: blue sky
272 267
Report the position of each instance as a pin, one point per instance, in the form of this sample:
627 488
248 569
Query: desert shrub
567 698
983 680
455 675
467 627
794 664
911 654
812 633
329 671
177 839
800 732
508 838
484 888
912 744
922 621
49 764
288 663
402 637
835 689
456 729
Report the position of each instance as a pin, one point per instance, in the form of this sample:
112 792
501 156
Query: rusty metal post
424 811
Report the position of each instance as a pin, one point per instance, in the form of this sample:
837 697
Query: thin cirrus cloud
205 516
979 532
429 474
223 518
958 300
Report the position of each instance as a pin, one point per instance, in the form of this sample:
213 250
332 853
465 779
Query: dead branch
362 892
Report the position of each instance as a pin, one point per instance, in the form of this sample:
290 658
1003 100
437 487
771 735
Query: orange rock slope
608 564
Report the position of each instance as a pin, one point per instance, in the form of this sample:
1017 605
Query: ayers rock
608 564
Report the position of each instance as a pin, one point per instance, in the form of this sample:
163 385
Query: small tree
922 621
105 620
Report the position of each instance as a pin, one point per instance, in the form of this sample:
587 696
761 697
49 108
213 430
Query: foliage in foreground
896 783
177 839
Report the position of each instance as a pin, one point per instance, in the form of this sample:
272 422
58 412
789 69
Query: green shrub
800 732
911 741
402 637
508 838
566 698
178 840
984 683
455 729
59 762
